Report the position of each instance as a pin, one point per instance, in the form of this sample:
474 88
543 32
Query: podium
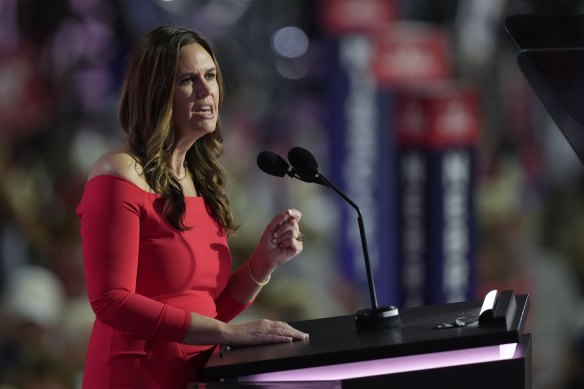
551 57
426 350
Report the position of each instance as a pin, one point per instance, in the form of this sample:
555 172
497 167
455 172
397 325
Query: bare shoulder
119 163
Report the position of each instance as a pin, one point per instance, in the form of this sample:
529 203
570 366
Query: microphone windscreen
272 163
302 161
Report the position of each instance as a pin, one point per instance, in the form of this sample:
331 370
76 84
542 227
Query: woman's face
196 94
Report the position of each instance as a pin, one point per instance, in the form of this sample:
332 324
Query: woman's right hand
206 330
261 332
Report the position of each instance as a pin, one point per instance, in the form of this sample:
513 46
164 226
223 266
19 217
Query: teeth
204 109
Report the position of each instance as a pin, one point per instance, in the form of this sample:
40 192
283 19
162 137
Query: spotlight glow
290 42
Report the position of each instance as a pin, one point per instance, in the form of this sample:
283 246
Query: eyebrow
211 69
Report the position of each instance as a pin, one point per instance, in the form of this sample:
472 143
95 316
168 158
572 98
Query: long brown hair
145 114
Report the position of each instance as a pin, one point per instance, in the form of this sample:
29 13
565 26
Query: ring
300 237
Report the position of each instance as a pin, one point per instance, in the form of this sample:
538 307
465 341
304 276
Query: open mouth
203 110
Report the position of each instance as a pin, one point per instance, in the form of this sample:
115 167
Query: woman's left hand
280 242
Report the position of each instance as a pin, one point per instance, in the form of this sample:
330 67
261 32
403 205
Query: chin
206 131
204 126
211 130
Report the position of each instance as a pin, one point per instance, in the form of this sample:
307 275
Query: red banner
343 16
408 52
437 116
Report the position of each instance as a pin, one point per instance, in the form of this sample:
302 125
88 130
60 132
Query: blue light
290 42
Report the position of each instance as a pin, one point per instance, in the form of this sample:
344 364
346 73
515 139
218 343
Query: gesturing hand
281 240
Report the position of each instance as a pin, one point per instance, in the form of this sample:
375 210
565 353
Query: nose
202 89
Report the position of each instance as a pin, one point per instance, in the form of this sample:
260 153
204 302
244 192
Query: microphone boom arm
320 179
305 168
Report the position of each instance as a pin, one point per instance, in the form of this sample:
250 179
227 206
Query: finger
267 331
287 330
277 339
297 334
288 225
291 245
277 221
290 216
294 214
285 234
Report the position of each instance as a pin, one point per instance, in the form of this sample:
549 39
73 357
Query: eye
210 76
186 81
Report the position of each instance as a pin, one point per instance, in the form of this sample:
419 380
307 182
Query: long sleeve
110 214
228 308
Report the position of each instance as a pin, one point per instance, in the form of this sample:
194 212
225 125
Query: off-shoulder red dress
143 277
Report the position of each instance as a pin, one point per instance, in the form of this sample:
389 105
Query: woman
154 226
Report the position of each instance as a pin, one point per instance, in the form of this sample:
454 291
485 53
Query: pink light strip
390 365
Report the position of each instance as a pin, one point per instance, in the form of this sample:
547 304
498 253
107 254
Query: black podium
426 350
551 56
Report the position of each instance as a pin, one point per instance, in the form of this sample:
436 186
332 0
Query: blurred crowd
60 66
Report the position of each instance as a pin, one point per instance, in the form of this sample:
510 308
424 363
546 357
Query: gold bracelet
253 279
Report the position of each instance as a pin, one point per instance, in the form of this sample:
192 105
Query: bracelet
253 279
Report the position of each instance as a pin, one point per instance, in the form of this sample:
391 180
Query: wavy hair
145 114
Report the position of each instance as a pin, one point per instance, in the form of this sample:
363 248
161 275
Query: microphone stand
375 317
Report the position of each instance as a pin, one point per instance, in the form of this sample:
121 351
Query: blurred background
415 108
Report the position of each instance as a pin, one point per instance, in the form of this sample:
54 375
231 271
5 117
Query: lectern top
336 340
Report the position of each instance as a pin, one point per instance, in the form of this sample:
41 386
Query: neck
183 175
178 164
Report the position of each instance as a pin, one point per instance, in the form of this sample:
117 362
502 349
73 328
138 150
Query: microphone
305 168
303 160
271 163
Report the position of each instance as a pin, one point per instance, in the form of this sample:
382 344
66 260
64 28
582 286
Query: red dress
143 278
